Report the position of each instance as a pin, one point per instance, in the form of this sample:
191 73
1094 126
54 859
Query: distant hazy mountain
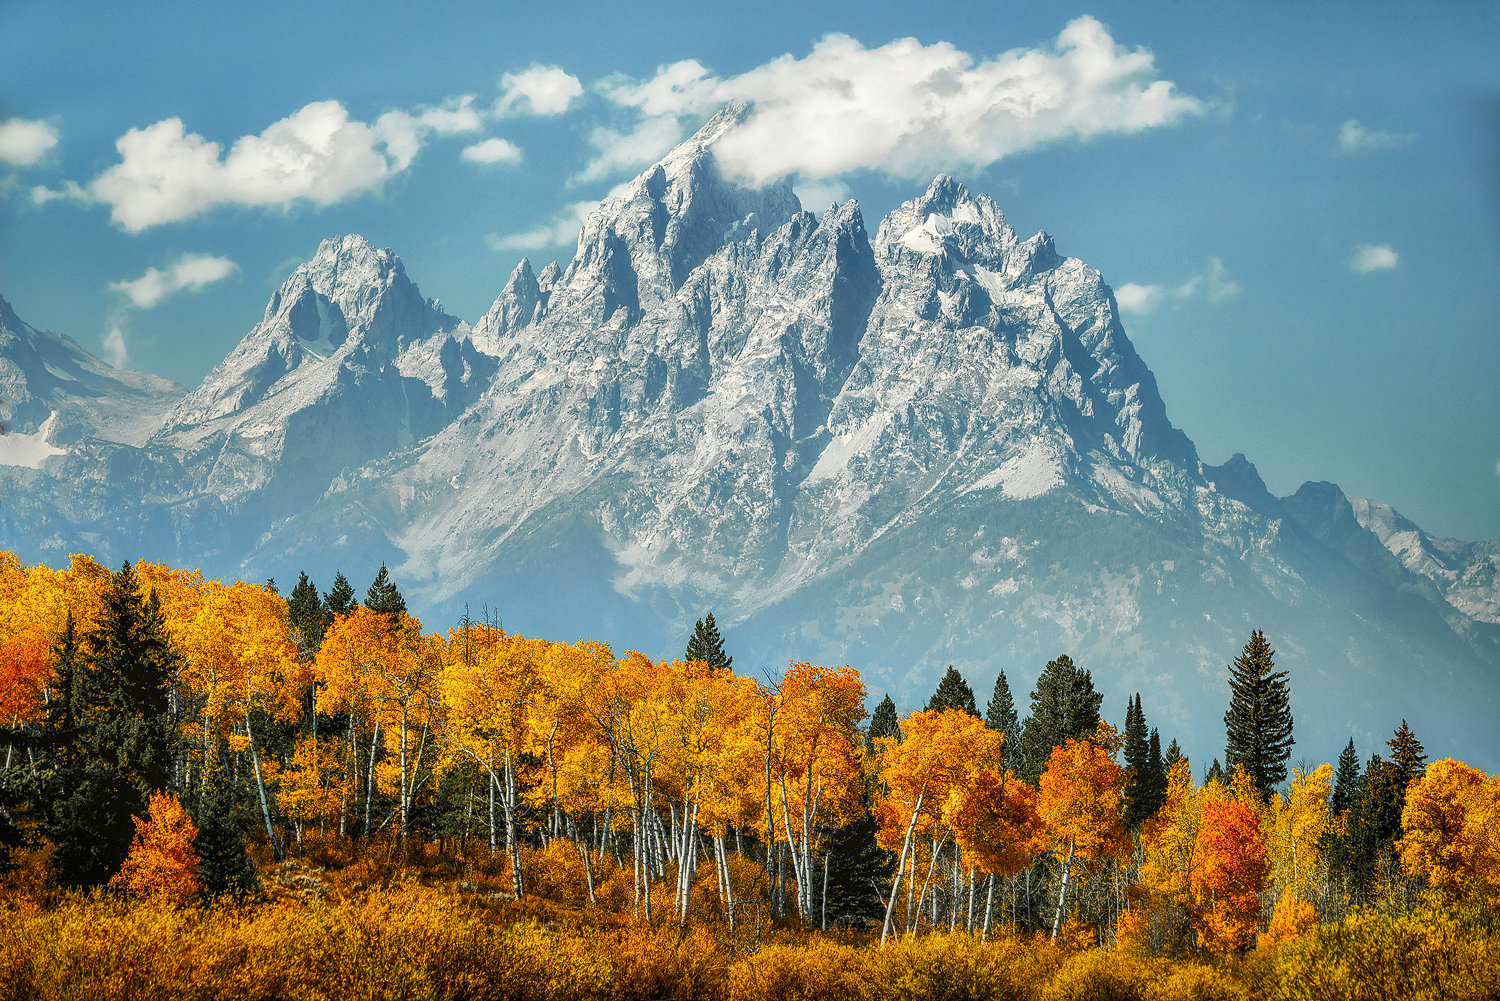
934 446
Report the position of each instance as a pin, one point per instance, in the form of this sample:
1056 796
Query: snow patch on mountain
29 450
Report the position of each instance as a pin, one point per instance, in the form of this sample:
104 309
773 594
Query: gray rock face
934 446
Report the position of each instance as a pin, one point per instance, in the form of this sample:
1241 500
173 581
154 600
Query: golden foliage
161 864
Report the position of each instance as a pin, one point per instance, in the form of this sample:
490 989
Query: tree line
154 721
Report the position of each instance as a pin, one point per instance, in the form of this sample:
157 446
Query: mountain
934 445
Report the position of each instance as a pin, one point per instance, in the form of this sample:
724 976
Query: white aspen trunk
277 851
798 876
931 868
1062 893
512 843
890 905
370 778
989 903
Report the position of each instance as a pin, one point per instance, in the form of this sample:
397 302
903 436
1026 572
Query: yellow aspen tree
1293 825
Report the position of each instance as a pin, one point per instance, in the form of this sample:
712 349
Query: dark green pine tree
857 866
308 619
1064 706
224 868
383 596
1345 781
1215 773
1156 792
953 692
707 645
1259 719
115 741
883 724
1172 755
1000 715
1408 755
339 599
1138 760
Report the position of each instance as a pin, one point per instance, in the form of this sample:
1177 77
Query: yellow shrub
820 971
1425 955
1100 975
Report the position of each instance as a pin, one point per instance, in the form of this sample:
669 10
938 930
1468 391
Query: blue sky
1298 204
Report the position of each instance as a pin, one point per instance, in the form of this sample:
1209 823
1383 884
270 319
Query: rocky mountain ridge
932 446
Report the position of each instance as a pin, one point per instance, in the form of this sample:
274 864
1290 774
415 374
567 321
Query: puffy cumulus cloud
561 231
115 351
1214 284
1355 138
24 142
1378 257
318 154
492 151
910 109
191 273
537 90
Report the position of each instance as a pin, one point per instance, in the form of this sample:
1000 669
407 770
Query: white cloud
560 232
1214 284
818 195
537 90
492 151
24 142
909 109
1367 258
1355 138
318 154
71 190
624 151
191 272
114 347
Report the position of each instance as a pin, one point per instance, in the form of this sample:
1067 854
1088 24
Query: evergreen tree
1156 791
307 616
339 599
883 724
1138 760
1000 715
707 645
1146 780
857 867
1346 781
1215 773
1064 705
1171 757
1259 719
1407 754
953 692
383 596
115 740
224 869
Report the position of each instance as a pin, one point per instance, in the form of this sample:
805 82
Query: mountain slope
934 445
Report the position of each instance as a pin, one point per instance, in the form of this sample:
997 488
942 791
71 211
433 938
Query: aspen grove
671 793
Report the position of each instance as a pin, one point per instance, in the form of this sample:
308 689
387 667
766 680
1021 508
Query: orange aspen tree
1229 877
162 865
1080 798
994 818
